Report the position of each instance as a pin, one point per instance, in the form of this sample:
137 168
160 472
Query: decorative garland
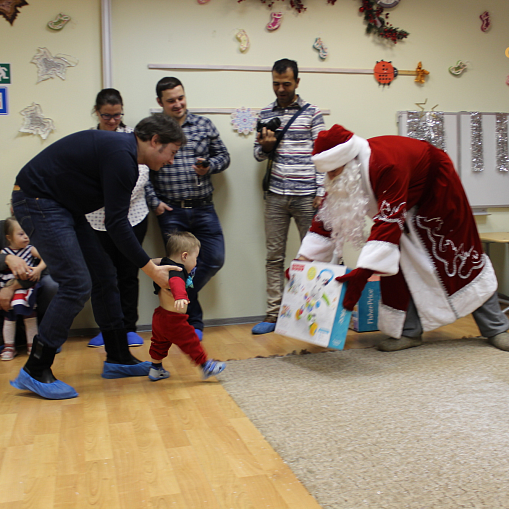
294 4
378 25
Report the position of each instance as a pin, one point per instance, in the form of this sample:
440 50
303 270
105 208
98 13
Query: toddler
23 302
169 322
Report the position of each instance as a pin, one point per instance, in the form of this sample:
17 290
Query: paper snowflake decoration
35 122
244 120
9 9
49 66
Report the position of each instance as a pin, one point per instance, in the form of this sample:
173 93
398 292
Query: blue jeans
204 224
76 259
127 274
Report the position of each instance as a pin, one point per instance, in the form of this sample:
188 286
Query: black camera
271 124
203 164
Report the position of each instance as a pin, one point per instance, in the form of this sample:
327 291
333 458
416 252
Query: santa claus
424 240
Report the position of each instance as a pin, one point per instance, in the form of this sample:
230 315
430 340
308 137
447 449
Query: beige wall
186 32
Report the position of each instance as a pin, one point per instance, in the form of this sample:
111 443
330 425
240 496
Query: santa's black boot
120 363
36 375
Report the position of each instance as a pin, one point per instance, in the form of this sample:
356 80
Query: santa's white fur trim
435 308
390 320
339 155
422 279
474 295
316 247
381 257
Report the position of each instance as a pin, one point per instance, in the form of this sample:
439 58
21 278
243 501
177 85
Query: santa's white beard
345 207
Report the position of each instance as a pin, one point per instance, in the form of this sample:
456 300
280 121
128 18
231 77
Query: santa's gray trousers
489 318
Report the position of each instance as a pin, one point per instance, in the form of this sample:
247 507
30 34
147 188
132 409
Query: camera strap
268 171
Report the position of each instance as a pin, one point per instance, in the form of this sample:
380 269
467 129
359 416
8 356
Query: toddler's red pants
169 327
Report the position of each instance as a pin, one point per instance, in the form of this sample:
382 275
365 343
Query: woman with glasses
109 110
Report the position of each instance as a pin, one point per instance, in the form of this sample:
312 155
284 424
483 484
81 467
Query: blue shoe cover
263 328
97 341
124 370
54 390
199 333
134 339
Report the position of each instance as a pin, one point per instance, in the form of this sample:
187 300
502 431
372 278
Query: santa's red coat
424 238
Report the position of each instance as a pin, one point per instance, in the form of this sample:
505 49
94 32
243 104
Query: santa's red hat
334 148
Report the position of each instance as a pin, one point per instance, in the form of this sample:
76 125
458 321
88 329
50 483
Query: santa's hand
356 280
299 259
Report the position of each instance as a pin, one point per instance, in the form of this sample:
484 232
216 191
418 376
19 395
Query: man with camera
181 193
287 130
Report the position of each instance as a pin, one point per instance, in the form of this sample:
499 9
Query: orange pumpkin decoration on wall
384 72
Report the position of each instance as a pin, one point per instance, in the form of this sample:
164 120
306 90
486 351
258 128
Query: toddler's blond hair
180 242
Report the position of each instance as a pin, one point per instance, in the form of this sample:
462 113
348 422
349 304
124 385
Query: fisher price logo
298 267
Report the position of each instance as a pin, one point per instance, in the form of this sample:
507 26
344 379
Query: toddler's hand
181 304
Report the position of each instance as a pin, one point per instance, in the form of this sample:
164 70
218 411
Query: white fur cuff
316 247
381 257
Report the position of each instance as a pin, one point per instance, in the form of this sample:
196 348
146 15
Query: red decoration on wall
378 24
9 9
384 72
298 5
486 21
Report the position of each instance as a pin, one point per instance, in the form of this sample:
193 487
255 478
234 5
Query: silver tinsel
476 141
427 126
501 133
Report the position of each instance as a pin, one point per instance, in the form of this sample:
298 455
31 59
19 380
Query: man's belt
190 204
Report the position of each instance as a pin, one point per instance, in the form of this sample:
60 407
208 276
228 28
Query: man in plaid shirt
296 188
181 193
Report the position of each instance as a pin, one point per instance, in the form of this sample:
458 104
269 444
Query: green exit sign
5 74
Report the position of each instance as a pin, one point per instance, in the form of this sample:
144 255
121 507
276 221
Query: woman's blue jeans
76 261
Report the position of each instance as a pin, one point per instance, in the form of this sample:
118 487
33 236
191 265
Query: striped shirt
25 254
178 181
293 172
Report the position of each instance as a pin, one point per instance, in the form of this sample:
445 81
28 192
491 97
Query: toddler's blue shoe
212 368
97 341
54 390
263 328
158 374
199 333
134 339
112 370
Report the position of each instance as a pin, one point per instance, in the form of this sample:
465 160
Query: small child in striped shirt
23 302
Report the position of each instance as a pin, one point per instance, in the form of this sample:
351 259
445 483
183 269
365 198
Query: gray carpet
421 428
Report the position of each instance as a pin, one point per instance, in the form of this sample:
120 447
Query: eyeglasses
117 116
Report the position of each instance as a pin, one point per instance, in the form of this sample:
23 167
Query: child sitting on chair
23 302
169 322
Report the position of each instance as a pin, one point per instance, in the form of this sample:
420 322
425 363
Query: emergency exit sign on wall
5 74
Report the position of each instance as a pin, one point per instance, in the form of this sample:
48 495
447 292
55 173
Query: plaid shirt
293 172
178 181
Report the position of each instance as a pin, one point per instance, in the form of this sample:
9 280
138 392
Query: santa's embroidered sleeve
317 244
381 252
178 288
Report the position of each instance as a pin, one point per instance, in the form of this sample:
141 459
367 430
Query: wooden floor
179 443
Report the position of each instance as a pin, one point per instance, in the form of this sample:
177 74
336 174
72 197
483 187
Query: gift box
365 313
311 308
